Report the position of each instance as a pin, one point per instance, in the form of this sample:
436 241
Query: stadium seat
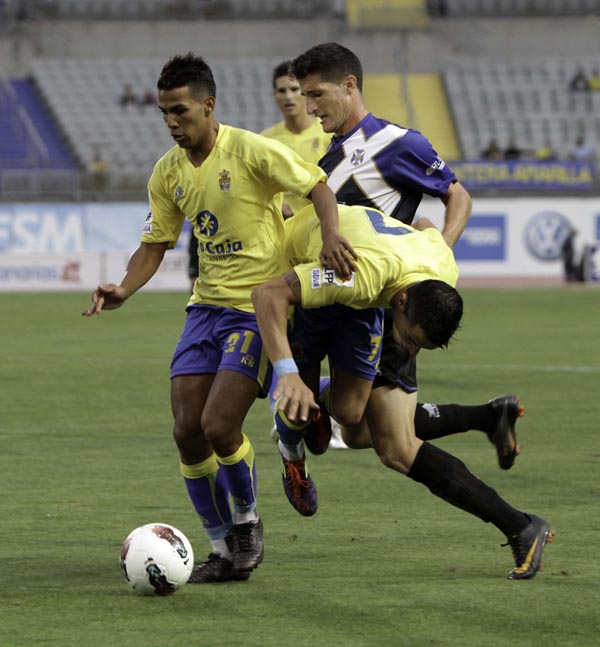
97 120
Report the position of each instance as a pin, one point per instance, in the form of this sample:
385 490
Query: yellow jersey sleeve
165 220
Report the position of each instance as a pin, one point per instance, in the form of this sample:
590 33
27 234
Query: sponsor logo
325 276
224 249
248 360
179 193
545 234
208 225
147 228
437 165
315 144
331 278
484 239
43 228
70 272
224 180
431 409
315 278
358 156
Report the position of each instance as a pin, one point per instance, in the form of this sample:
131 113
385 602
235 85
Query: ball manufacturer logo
545 234
167 534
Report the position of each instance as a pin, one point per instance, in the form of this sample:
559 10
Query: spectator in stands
148 99
128 98
582 151
512 151
98 170
492 151
299 131
580 82
545 153
594 82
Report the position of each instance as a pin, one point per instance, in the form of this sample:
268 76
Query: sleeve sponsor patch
325 276
148 224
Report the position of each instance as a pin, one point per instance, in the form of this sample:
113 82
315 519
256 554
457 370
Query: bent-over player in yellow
412 272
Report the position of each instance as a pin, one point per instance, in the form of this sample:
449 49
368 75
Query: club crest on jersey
224 180
358 156
321 276
148 224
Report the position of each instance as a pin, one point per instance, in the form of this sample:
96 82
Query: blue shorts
215 338
350 338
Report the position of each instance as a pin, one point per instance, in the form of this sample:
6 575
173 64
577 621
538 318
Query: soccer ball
156 559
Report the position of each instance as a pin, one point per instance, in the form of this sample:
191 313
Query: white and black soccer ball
156 559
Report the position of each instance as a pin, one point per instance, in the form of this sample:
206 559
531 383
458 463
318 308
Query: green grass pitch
87 456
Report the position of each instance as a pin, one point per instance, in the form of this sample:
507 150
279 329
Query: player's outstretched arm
140 269
337 252
271 304
458 211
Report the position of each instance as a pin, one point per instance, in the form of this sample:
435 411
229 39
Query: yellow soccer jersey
391 256
311 145
234 204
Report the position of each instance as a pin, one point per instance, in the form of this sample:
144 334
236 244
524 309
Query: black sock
438 420
448 478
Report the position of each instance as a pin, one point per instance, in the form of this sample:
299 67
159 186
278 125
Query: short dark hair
437 307
283 69
188 70
330 60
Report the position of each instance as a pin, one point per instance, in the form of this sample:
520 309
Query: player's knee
348 414
395 462
356 437
399 457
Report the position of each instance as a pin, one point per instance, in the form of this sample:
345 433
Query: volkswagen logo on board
545 234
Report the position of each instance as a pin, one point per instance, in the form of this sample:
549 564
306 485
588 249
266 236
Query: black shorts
396 366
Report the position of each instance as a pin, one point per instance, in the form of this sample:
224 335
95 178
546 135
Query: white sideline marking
530 368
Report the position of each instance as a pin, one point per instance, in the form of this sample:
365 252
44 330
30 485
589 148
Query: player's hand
106 297
287 211
338 254
294 398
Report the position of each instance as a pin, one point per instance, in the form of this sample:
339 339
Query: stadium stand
527 100
177 9
387 14
132 138
512 8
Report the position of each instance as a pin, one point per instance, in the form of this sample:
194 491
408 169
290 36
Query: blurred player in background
228 183
377 164
299 131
